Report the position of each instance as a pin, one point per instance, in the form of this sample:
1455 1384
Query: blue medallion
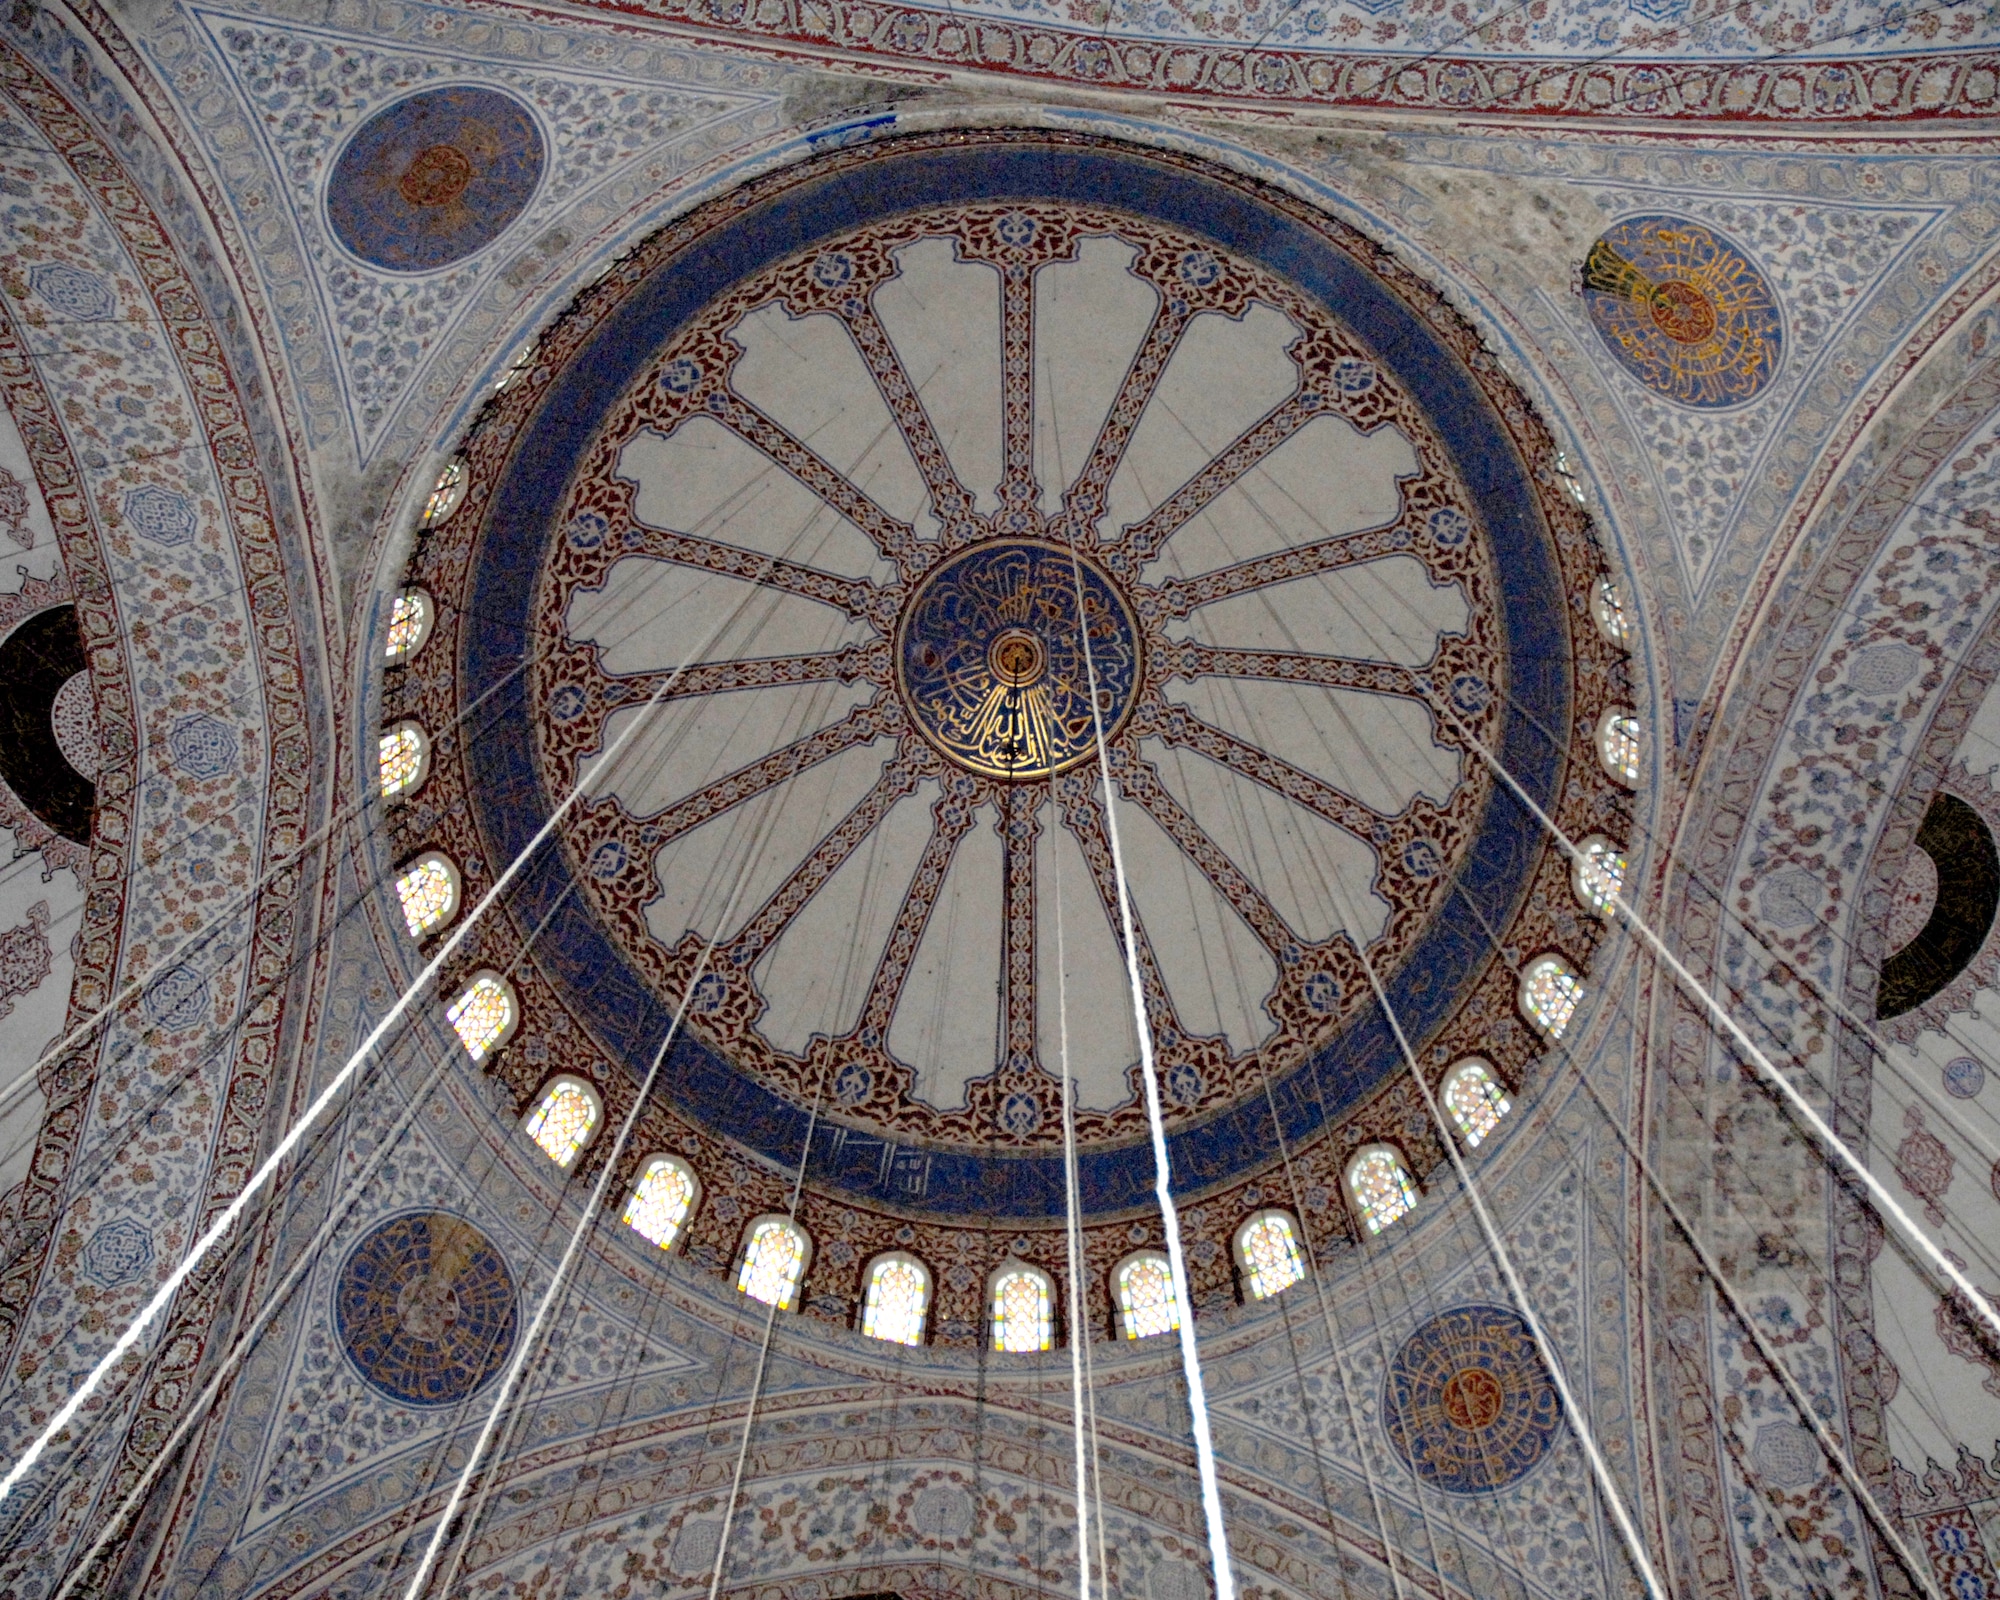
429 180
992 661
426 1308
1469 1405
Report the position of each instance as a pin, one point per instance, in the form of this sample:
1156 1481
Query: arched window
898 1295
1023 1300
446 493
1146 1304
1607 609
1267 1249
406 759
409 625
1550 992
775 1252
1600 876
661 1200
564 1120
484 1014
428 889
1618 745
1473 1096
1383 1189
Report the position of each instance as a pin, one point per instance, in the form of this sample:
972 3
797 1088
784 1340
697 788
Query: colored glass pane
1022 1315
562 1122
1550 995
409 624
482 1015
1618 744
660 1204
1146 1296
428 895
1271 1252
772 1264
446 493
897 1293
402 759
1601 874
1476 1101
1383 1191
1607 605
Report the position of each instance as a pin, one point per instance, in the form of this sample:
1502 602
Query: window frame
1528 971
646 1168
423 771
1607 596
1395 1153
501 1039
1122 1317
549 1086
1576 882
1240 1250
444 498
1012 1266
1458 1070
883 1258
1606 718
456 905
426 621
797 1287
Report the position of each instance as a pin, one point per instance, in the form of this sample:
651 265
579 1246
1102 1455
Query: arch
896 1299
1599 877
1022 1302
1143 1284
776 1253
405 759
1473 1094
428 889
446 494
484 1014
662 1200
410 622
1620 744
1380 1185
1550 994
565 1119
1268 1252
1607 610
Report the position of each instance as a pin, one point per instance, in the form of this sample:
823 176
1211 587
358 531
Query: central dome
804 499
993 665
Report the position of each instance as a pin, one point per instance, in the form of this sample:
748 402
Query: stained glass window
445 493
898 1291
483 1014
563 1120
1475 1100
1550 991
1267 1247
1023 1310
1618 746
409 625
428 889
1383 1190
405 759
662 1201
1607 606
773 1262
1146 1296
1600 875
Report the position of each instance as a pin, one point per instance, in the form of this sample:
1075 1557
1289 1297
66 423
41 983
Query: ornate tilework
1683 310
434 177
426 1308
1468 1404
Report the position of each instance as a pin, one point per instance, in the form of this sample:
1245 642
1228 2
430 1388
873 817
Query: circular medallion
1964 1078
1469 1405
73 720
1683 310
426 1308
993 665
816 560
434 177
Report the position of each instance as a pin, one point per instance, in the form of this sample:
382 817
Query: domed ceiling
777 547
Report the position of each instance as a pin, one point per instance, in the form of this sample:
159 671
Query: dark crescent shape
36 660
1957 839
